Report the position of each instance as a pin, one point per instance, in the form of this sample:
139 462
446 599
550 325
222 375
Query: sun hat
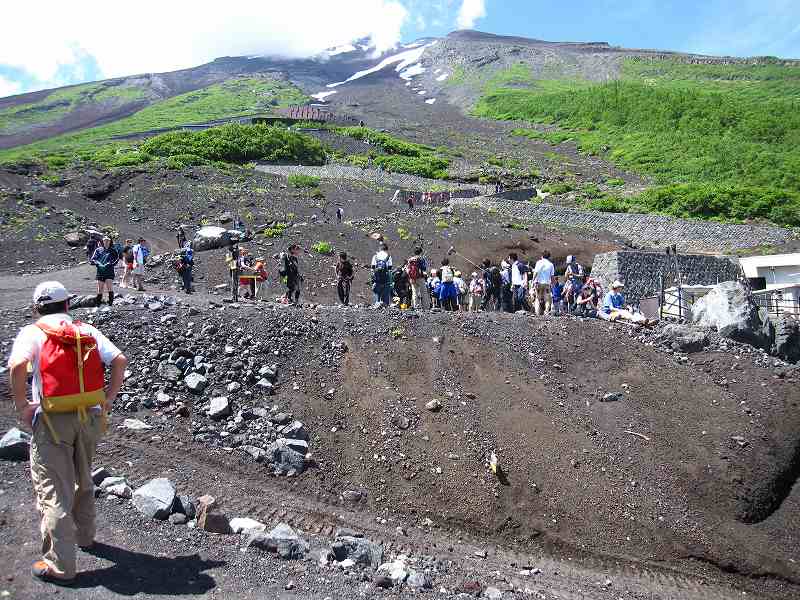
617 284
49 292
474 274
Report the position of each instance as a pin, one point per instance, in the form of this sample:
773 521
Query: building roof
771 260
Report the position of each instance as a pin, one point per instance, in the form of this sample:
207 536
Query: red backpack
413 269
71 369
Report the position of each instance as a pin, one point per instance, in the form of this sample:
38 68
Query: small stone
120 490
169 371
15 444
434 405
382 581
219 408
234 386
195 383
111 481
401 422
265 385
419 580
492 593
155 499
98 475
177 519
612 397
246 525
134 424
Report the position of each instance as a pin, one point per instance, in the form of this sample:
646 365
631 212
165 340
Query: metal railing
777 302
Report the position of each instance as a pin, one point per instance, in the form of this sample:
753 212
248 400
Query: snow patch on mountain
322 95
403 59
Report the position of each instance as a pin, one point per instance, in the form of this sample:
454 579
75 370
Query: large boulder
15 444
728 309
212 237
684 338
787 338
155 498
284 460
76 239
359 550
282 539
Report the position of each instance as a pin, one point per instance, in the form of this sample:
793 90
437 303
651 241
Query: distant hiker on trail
247 274
519 282
91 245
127 264
186 265
448 293
416 269
410 201
557 292
339 214
344 278
66 412
477 289
291 272
140 254
232 262
434 285
180 236
543 273
261 278
492 285
382 276
105 259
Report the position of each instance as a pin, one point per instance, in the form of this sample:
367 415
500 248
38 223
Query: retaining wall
641 271
643 230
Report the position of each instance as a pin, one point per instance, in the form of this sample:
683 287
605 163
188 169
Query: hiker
448 293
557 293
519 282
382 276
232 262
463 290
67 417
506 294
91 245
180 236
587 300
344 278
140 253
401 287
127 264
492 286
247 274
186 265
477 289
339 214
434 283
416 269
104 259
575 277
410 199
261 278
613 308
291 272
543 273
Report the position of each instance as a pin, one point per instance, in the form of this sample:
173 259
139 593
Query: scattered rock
246 525
15 444
155 498
434 405
99 474
178 519
282 539
612 397
419 580
219 408
169 372
360 550
382 581
134 424
195 382
120 490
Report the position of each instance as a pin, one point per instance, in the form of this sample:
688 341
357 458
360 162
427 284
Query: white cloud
471 12
163 36
8 87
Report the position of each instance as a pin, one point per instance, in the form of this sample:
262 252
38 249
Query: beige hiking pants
419 293
62 482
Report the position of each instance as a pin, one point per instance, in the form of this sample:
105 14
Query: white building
782 275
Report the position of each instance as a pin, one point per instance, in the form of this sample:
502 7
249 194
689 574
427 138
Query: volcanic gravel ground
574 485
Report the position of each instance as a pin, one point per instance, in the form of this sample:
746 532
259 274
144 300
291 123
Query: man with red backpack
417 270
66 411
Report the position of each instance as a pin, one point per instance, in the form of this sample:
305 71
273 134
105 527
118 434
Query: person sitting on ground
614 308
587 300
477 289
463 290
557 292
448 293
434 283
382 276
105 259
344 278
543 273
416 269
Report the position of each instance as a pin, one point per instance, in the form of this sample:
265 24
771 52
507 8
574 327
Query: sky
52 43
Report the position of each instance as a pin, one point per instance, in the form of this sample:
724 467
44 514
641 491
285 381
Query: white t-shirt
517 277
29 341
544 271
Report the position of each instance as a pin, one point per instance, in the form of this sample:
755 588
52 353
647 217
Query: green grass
230 98
703 132
323 248
299 180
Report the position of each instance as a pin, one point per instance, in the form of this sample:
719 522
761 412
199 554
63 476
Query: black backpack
494 279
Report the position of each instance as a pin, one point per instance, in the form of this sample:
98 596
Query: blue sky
55 43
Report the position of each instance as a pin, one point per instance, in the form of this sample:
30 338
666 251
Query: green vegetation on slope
61 102
728 135
230 98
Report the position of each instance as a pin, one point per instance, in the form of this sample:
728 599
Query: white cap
48 292
570 258
617 284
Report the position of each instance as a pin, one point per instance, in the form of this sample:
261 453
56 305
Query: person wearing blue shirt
613 308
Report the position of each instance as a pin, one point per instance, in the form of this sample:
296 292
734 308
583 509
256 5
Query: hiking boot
42 571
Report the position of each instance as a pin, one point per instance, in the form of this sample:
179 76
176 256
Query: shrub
442 224
322 248
558 188
275 230
615 182
299 180
403 233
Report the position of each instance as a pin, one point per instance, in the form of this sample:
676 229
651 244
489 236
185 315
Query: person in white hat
66 412
613 308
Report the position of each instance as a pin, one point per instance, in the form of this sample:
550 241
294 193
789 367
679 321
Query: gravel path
401 180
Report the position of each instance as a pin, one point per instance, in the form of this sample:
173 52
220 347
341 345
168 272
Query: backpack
71 369
447 275
495 278
381 272
413 269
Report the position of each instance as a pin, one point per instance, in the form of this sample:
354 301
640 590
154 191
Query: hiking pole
452 250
